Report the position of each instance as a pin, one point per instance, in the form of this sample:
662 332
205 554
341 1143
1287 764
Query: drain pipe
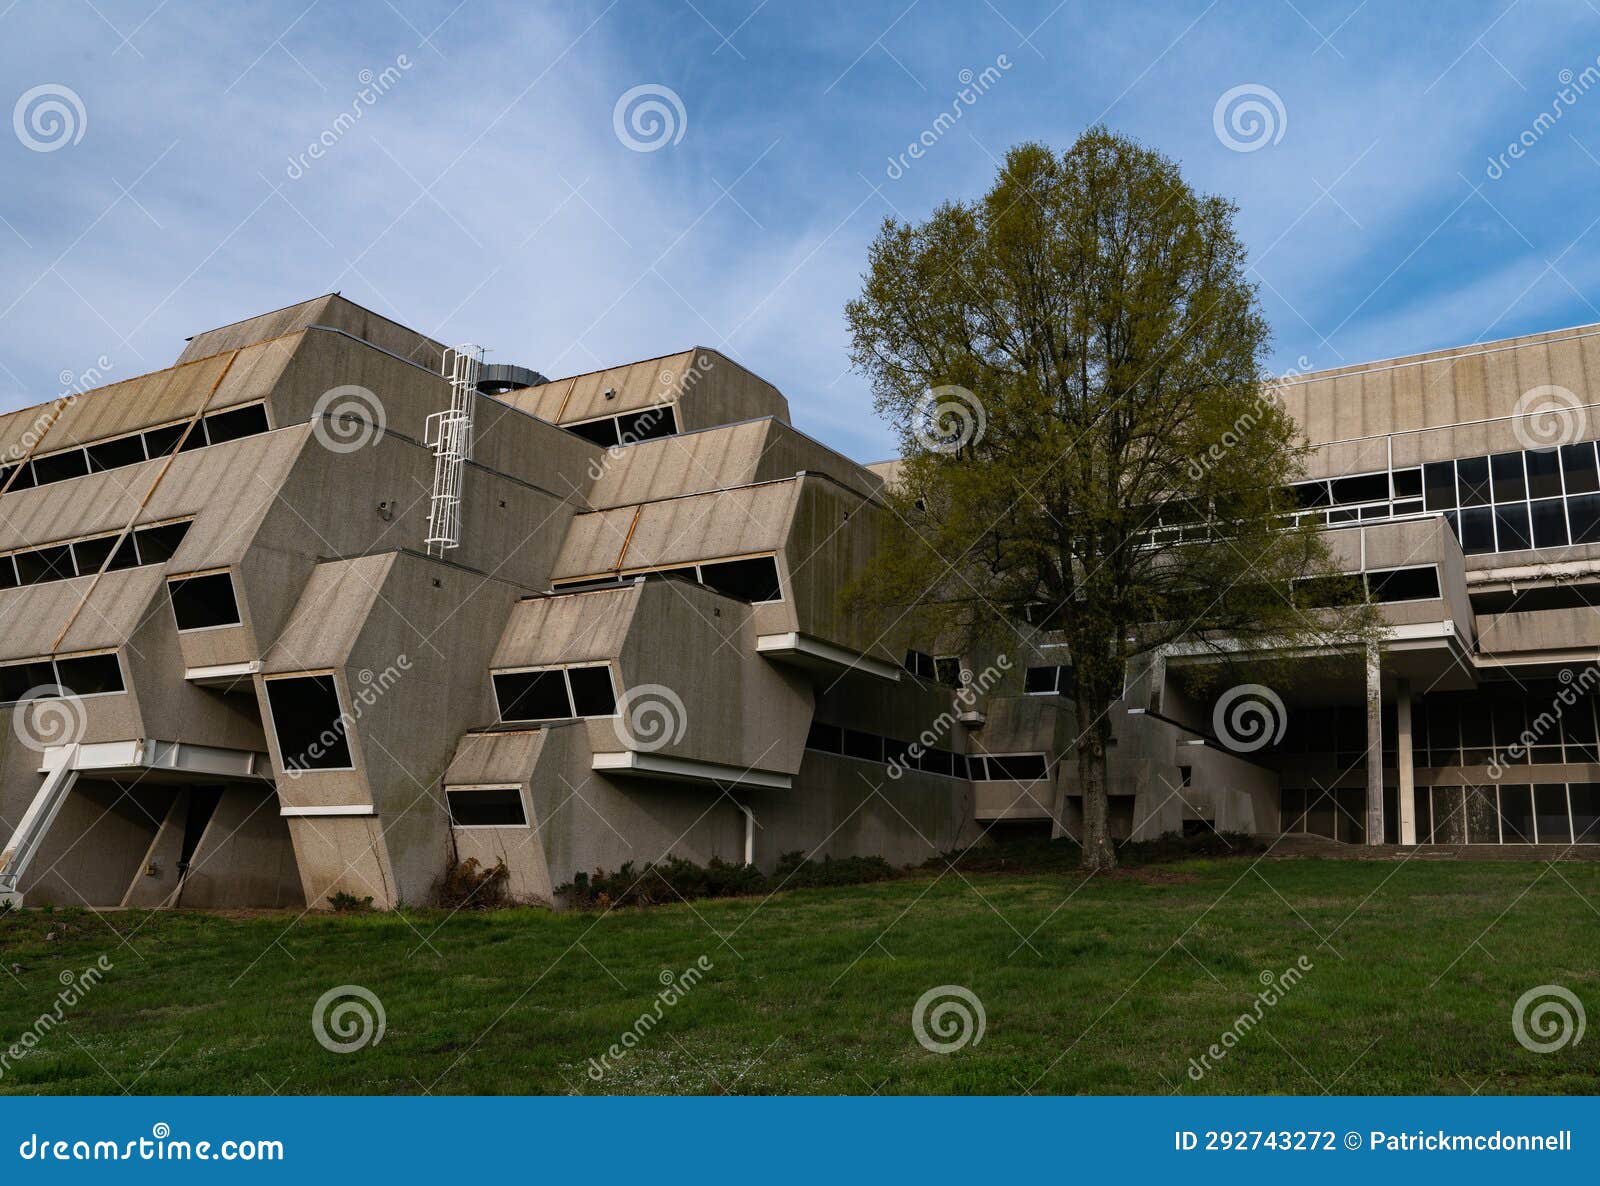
749 833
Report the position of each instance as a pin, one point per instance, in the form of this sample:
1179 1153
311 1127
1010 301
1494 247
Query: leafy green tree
1091 450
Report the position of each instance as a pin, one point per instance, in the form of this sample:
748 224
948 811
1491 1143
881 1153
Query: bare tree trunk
1098 854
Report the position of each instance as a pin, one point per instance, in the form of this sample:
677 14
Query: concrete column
1407 800
1374 748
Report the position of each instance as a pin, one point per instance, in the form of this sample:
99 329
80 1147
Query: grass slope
1107 986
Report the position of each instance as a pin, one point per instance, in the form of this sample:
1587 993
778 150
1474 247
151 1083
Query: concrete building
326 607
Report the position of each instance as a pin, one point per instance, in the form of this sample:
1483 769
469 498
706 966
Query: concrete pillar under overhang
1406 800
1374 748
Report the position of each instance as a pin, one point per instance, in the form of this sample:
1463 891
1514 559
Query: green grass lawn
1106 986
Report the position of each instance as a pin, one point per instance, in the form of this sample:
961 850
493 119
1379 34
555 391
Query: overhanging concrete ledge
813 653
222 675
148 755
632 762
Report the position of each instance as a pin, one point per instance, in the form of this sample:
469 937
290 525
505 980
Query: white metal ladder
449 434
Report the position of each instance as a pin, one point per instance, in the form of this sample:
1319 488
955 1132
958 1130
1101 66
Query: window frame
233 589
55 671
566 682
271 720
522 802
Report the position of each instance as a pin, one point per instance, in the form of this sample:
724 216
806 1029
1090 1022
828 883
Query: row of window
628 428
555 693
754 579
80 675
1514 813
227 425
873 747
1384 585
61 562
938 669
1513 726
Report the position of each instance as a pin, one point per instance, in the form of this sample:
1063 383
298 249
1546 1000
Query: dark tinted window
234 423
308 722
1584 512
1476 530
58 467
1505 472
1550 806
1585 798
1439 485
1366 488
1511 527
938 761
8 573
1516 814
1408 483
1311 494
1404 584
748 580
1578 466
1472 481
204 601
92 553
44 564
1549 523
601 432
827 738
486 808
647 425
532 695
1040 680
24 478
158 544
18 679
863 745
947 670
1022 767
116 454
592 694
158 442
1544 473
89 674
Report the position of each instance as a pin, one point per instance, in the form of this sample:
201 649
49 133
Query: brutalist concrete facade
237 677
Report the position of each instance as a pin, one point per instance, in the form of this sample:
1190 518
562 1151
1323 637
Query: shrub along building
327 608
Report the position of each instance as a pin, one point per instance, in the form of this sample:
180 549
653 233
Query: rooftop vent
497 378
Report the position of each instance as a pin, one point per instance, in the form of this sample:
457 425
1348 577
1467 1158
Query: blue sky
486 194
